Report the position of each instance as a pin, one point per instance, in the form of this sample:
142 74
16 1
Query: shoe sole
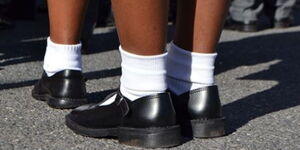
59 103
91 132
282 25
243 28
205 128
248 28
140 137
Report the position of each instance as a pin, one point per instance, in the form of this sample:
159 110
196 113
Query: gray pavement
257 74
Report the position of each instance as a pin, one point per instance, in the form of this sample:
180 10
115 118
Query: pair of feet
252 26
159 120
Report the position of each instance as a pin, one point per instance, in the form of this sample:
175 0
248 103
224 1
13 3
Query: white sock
142 75
60 57
189 70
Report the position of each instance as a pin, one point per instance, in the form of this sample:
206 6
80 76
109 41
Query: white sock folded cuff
190 66
60 57
142 75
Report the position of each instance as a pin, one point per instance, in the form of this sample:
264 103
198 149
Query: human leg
62 84
141 112
190 67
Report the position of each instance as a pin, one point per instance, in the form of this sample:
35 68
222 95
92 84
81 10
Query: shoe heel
65 103
208 128
36 95
150 137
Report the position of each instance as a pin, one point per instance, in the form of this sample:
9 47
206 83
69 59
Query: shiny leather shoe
146 122
241 26
199 112
64 90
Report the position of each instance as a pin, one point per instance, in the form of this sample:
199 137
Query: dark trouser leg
89 24
279 9
245 10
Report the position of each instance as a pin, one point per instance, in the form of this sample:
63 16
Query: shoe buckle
124 106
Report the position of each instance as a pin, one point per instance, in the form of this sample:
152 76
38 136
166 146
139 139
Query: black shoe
65 89
199 112
241 26
146 122
283 23
5 21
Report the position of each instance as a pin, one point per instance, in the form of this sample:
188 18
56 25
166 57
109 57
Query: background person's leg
5 20
280 12
244 15
245 10
89 25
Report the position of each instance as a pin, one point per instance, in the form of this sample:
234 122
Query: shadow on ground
33 49
89 75
283 47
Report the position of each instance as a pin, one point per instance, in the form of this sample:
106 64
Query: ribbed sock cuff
60 57
142 75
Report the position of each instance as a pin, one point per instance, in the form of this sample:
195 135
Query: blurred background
243 16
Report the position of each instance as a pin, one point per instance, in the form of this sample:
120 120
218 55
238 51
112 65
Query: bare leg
66 17
199 24
62 60
141 25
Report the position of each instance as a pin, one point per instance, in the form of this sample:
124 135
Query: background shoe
65 89
146 122
5 21
283 23
199 112
241 26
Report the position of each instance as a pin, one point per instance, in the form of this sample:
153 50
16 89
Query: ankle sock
189 70
60 57
142 75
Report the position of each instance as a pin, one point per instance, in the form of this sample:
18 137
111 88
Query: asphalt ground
257 73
